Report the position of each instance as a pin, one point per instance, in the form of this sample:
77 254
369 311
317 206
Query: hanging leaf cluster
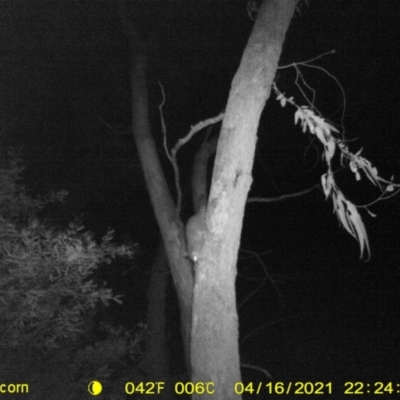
327 135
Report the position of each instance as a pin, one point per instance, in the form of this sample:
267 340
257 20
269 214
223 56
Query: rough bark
214 345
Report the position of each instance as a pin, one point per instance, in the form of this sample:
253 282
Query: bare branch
308 61
259 369
280 198
167 152
198 127
272 323
172 154
163 127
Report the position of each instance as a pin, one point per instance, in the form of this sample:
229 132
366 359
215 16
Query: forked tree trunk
214 339
210 332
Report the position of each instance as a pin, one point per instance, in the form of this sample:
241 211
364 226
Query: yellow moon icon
95 388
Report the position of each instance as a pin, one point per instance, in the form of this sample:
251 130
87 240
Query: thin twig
167 152
259 369
279 198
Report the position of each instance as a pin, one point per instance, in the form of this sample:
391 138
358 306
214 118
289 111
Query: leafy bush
45 291
15 203
48 300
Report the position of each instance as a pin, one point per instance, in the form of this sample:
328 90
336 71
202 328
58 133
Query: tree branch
280 198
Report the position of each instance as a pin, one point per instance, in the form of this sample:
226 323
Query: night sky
319 313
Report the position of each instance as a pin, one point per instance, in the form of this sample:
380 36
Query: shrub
48 300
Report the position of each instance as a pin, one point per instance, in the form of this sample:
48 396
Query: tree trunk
172 230
156 356
171 227
214 339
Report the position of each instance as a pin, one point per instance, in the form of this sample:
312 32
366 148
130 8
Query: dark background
320 313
